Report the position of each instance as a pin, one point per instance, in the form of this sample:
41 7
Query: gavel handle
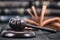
43 28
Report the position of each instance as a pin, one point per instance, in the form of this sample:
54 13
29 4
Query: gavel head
17 24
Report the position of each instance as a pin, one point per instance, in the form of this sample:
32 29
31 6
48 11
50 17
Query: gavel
18 24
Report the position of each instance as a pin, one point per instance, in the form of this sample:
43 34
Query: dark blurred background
13 8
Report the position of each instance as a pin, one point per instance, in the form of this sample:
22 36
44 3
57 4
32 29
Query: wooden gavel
18 24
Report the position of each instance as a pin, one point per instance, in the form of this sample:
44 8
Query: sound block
17 34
